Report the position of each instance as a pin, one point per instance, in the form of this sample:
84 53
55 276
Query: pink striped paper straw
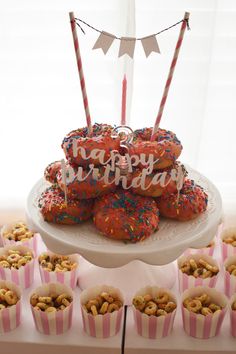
80 70
170 75
123 105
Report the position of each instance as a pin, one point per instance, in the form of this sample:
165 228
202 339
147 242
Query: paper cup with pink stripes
188 281
51 323
154 327
226 248
209 250
101 326
198 325
233 315
229 279
68 278
31 242
24 276
10 317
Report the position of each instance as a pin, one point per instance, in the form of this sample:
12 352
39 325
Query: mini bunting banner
127 44
104 42
150 45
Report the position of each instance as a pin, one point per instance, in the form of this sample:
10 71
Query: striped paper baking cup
101 326
233 316
154 327
10 317
24 276
31 242
188 281
209 250
229 280
68 278
227 249
200 326
53 322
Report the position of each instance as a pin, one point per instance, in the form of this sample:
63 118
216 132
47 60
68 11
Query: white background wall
40 99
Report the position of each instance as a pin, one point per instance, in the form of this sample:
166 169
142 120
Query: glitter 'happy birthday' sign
119 167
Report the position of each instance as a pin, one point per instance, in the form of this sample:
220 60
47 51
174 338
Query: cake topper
126 135
115 166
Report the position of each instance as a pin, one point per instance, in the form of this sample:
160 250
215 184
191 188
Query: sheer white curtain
217 151
40 97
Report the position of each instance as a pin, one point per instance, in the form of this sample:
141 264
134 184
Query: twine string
78 22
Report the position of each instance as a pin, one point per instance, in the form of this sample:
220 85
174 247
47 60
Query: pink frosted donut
156 190
89 187
54 209
165 147
102 139
126 216
192 202
50 172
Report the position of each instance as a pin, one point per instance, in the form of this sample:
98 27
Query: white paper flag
150 45
104 42
127 45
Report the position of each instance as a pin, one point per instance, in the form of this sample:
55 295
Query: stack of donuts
123 214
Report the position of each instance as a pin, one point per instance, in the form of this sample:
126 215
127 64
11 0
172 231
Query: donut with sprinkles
125 216
156 190
50 172
190 203
165 147
54 209
91 187
102 138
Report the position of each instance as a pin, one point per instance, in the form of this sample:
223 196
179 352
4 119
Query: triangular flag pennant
150 45
104 42
127 45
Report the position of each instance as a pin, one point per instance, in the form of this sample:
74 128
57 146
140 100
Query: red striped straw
123 104
81 73
170 75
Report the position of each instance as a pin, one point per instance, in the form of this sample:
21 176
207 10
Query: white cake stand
136 264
